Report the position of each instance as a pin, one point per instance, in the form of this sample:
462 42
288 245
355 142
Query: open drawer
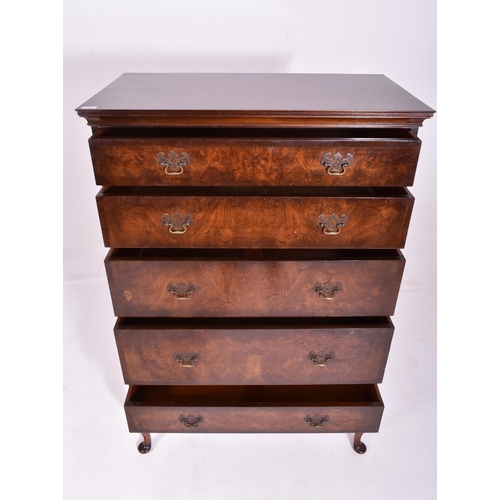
270 217
219 351
250 157
316 408
214 283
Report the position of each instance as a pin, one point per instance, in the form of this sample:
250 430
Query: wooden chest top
254 99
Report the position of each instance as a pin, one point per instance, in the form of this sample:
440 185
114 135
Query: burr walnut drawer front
255 218
253 351
214 283
319 408
239 157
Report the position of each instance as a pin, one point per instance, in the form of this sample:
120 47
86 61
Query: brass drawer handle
328 290
331 224
173 163
186 359
191 420
177 223
181 291
317 420
320 358
336 164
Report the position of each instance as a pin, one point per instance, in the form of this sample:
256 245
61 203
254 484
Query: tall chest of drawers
255 223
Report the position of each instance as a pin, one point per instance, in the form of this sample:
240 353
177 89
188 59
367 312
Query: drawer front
158 221
322 354
248 288
247 412
253 162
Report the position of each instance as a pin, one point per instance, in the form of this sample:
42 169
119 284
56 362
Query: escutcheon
328 290
181 291
191 420
331 224
320 358
173 163
177 223
336 164
186 359
316 420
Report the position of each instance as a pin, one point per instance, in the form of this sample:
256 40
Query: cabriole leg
358 445
145 446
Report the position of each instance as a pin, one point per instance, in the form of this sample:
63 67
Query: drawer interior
131 323
253 133
256 396
259 191
251 254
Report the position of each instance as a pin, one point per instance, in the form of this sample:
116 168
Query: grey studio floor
101 460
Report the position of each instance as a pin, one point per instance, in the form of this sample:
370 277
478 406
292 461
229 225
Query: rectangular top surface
253 92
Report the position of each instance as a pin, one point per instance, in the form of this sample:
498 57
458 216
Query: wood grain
247 287
232 219
235 409
239 263
304 100
219 159
245 353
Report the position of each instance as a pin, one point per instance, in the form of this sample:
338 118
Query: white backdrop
103 39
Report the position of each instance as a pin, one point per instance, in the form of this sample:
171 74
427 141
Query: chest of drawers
255 223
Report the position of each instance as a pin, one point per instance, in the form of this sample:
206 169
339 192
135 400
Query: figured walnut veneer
254 224
259 353
225 159
135 218
248 288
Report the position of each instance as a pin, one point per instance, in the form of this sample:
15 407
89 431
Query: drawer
213 283
239 157
255 218
327 408
253 351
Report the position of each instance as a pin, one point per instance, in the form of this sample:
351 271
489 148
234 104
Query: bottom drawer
327 408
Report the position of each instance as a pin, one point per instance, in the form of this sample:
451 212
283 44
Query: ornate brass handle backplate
320 358
336 164
327 290
181 291
191 420
177 223
173 163
186 359
331 224
316 420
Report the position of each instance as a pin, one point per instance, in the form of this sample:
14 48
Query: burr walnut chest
255 223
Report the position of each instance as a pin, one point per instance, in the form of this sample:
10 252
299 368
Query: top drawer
254 157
